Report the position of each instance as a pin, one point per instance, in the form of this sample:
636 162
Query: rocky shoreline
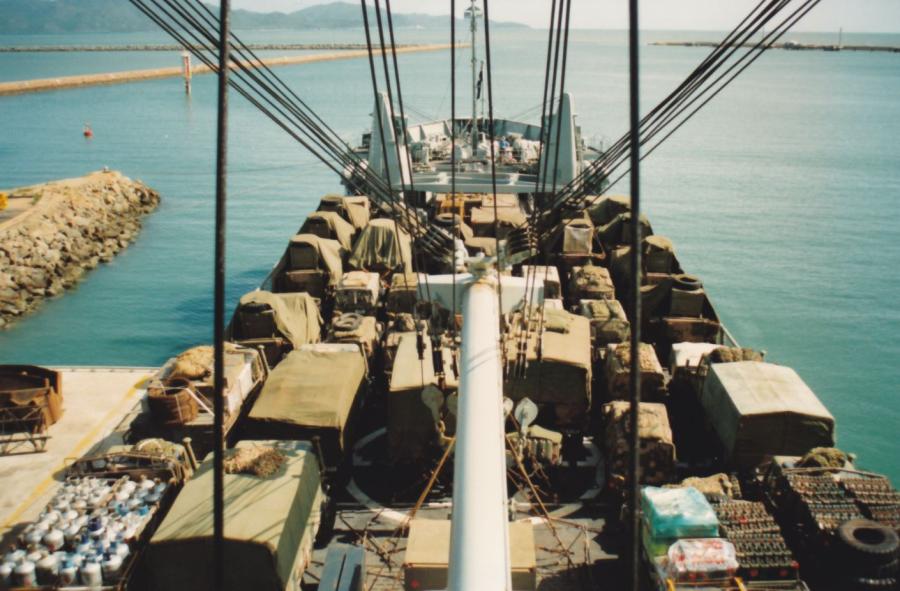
70 227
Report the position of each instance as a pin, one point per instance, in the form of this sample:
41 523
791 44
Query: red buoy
88 132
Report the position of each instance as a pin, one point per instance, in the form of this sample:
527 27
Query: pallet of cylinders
99 520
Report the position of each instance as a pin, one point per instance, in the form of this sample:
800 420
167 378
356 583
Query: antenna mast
472 13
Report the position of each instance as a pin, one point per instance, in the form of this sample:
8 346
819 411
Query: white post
479 538
186 70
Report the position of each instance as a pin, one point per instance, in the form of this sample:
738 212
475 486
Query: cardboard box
428 554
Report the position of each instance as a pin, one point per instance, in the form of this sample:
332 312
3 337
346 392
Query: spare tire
348 322
688 282
868 543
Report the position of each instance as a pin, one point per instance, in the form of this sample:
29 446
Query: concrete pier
789 45
45 84
96 402
174 47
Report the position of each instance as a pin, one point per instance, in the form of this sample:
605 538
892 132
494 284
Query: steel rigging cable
219 302
490 99
277 102
770 39
635 366
677 103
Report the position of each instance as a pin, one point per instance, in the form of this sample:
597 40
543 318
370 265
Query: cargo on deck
314 391
759 409
270 525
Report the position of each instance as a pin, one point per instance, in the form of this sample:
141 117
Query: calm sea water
784 195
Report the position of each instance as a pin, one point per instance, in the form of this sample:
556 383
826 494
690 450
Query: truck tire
348 322
868 543
688 282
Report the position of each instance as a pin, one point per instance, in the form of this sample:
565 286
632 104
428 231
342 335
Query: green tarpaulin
381 247
339 229
296 314
329 254
270 524
314 386
760 409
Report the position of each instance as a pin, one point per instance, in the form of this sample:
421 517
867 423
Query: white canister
34 536
68 575
54 540
112 568
24 576
47 569
91 574
14 557
6 572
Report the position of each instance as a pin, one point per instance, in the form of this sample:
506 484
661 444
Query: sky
869 16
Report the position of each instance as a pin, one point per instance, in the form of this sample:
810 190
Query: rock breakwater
69 228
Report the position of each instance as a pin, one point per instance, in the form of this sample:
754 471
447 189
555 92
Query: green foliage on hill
120 16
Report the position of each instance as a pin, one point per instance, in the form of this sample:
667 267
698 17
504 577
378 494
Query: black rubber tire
868 543
348 321
688 282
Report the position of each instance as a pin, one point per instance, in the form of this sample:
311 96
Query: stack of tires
869 552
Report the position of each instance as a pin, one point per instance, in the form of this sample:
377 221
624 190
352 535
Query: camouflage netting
255 461
824 457
657 446
605 210
591 283
717 485
732 354
608 321
194 364
618 369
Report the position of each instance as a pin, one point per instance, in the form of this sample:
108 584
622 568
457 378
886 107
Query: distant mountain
120 16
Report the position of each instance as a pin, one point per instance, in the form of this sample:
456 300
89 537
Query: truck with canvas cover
656 443
618 372
180 395
311 264
760 410
277 322
382 247
330 225
358 292
354 209
558 373
411 426
315 391
273 497
609 324
590 282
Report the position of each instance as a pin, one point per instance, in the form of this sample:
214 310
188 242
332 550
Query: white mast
479 534
473 12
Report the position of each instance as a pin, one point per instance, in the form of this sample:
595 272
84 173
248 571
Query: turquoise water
784 195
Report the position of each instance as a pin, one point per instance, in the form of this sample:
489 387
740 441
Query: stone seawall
67 228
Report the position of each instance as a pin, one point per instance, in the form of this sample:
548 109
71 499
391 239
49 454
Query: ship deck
97 403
